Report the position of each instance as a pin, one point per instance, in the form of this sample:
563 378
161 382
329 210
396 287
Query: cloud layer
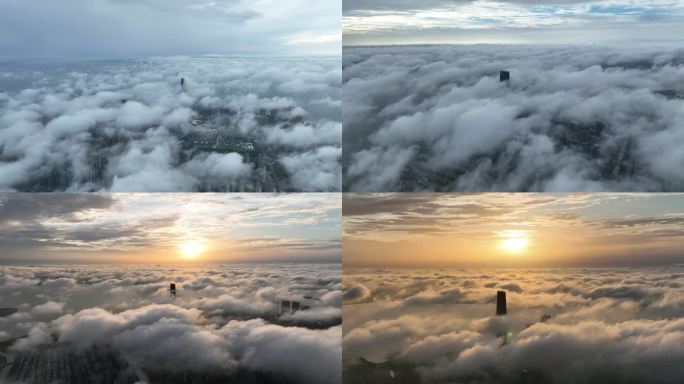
602 325
224 318
572 118
128 125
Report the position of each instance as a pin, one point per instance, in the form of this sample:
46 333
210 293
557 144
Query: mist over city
513 288
128 98
121 324
170 288
519 96
596 325
171 124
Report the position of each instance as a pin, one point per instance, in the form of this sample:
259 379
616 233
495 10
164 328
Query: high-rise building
4 312
285 306
172 289
500 303
504 76
290 306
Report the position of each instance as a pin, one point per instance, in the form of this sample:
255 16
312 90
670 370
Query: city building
501 303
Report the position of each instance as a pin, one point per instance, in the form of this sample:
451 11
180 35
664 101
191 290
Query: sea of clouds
441 110
49 109
223 318
606 325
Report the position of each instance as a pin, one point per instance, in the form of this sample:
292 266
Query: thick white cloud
603 325
49 309
316 170
572 118
222 319
301 355
126 125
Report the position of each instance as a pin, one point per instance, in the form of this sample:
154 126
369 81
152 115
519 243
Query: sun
191 249
515 241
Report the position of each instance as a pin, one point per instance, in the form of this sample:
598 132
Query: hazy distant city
570 118
277 323
171 124
605 325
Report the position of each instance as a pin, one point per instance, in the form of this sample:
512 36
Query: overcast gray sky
368 22
125 28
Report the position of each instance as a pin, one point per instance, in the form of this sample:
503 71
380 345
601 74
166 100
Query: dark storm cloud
572 119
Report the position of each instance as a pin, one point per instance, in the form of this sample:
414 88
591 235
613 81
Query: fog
608 325
129 125
572 118
223 318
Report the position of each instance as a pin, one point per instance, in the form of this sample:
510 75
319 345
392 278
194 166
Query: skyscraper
500 303
504 76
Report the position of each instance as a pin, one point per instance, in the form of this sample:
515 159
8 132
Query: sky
133 28
510 230
169 228
387 22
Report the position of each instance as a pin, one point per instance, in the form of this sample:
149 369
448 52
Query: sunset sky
372 22
513 229
169 228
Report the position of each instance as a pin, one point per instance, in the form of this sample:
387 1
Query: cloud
316 170
222 321
124 28
607 324
573 118
137 227
49 309
288 352
508 21
356 293
130 127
